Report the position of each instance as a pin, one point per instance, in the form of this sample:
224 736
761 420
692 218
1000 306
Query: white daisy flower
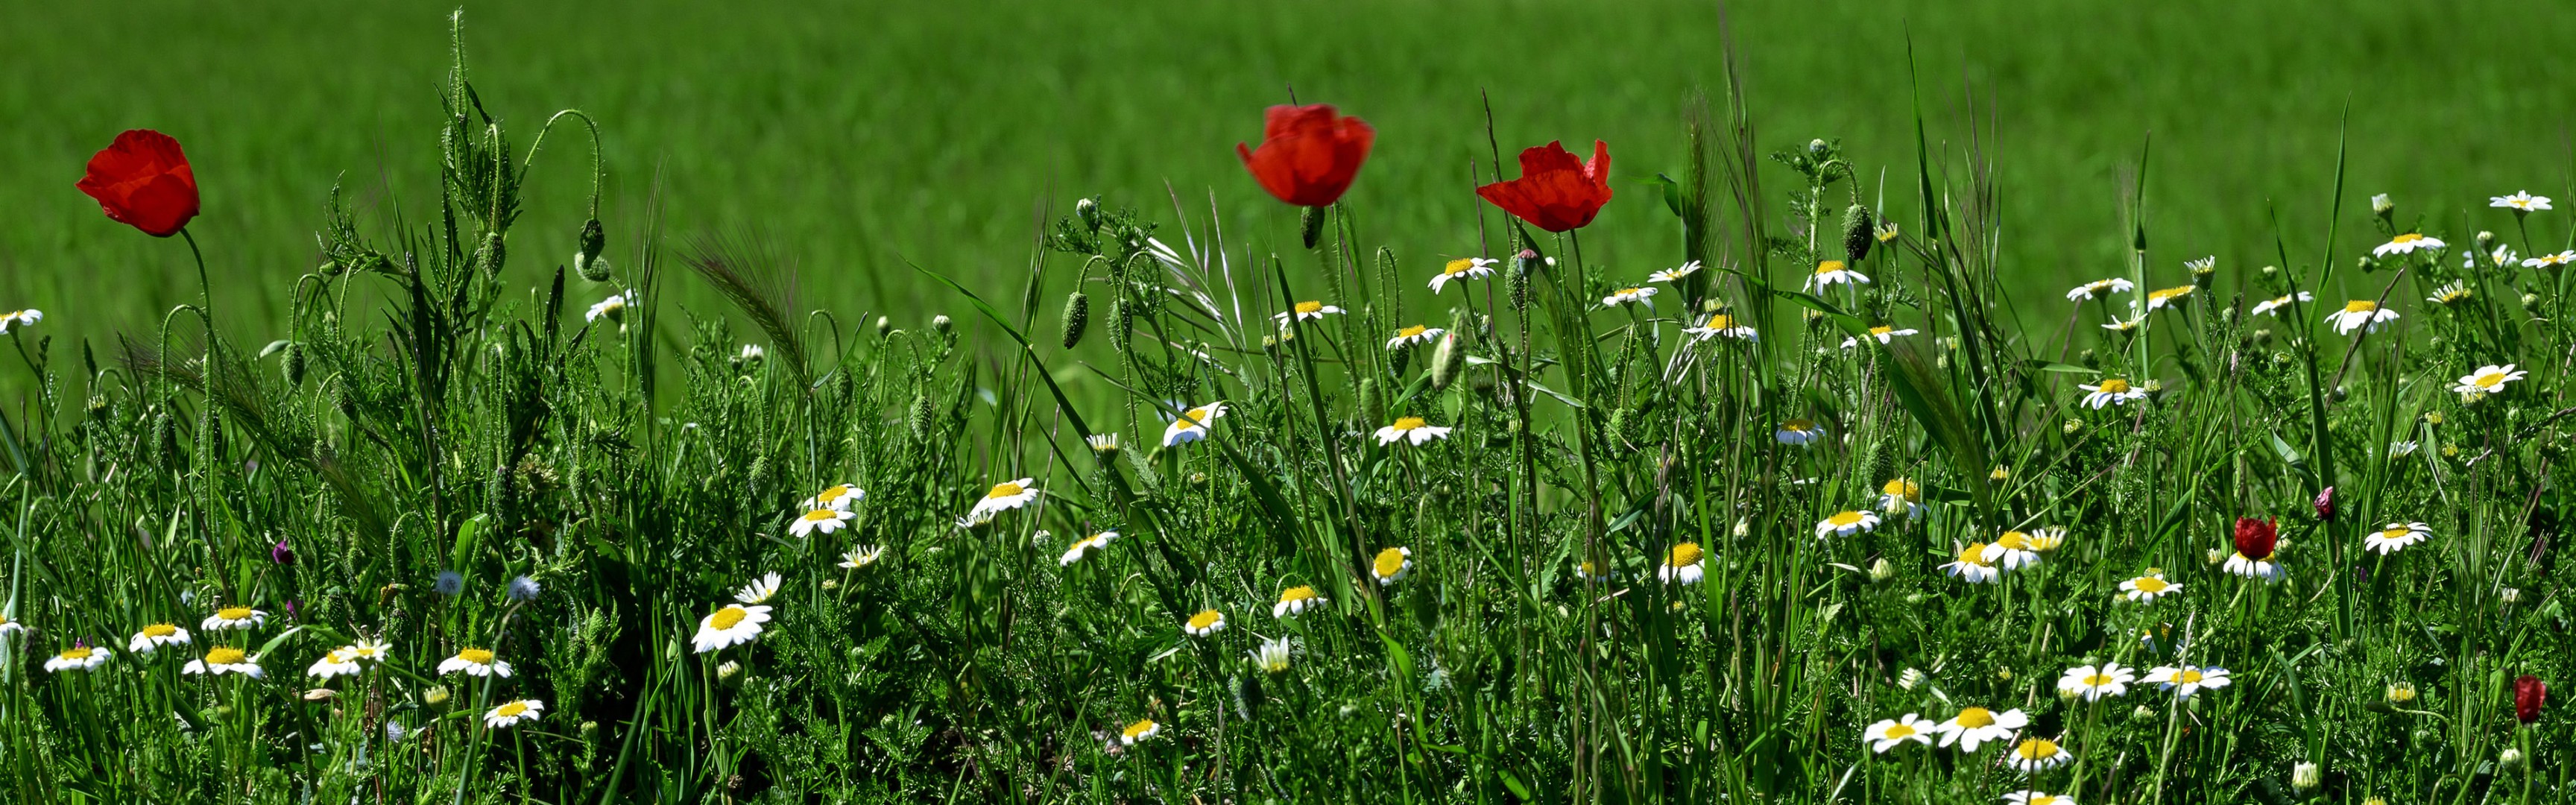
730 625
2202 265
9 625
2126 325
1846 523
1192 425
2521 202
862 556
1307 311
222 660
1683 565
2014 550
839 497
1833 271
513 712
2488 379
1207 622
824 520
76 658
2503 257
1972 565
2092 290
1676 273
2253 567
2148 587
613 307
1085 546
1390 565
1295 601
759 591
2094 683
2406 244
19 318
2272 307
2157 299
2452 292
2550 260
234 618
1416 334
156 636
1977 725
1719 324
2034 755
1139 731
2359 313
2402 448
2396 536
2028 797
2110 391
1885 335
1462 269
751 352
1894 732
1273 655
475 662
1004 497
366 650
1901 497
2185 680
1798 431
336 662
1643 296
1410 430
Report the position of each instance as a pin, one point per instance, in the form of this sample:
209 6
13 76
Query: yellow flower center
1720 321
1412 331
2188 676
834 493
1309 308
2394 532
1829 266
1797 426
225 656
78 653
233 613
2170 293
1203 414
511 710
2051 799
728 617
1975 717
160 630
2150 584
1205 619
1627 292
1881 330
2113 385
1408 423
819 515
1844 519
1459 266
2036 749
476 656
2360 306
2489 380
1684 555
1139 728
2097 680
1895 731
1388 563
1298 593
2409 237
2014 540
1004 490
1903 488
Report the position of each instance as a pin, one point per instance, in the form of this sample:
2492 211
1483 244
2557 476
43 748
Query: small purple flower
281 554
2325 503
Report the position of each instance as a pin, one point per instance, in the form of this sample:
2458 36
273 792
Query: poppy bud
1372 401
1077 315
494 253
2325 503
2255 539
1444 362
1312 223
920 419
2529 693
1856 233
1516 283
293 364
586 261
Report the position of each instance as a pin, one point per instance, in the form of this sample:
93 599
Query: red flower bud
1308 154
2255 538
2528 695
143 180
2325 503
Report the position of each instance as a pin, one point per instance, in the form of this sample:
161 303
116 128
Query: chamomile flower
2035 755
1135 733
9 625
2110 391
1977 725
2202 265
1410 430
1207 622
2521 202
2488 379
76 658
1192 425
1416 334
1084 547
1390 565
730 625
2093 683
1675 274
2406 244
475 662
19 318
1719 324
2254 567
1005 496
2360 313
2396 536
1972 565
1833 271
1798 431
2129 324
1884 335
2272 307
1463 268
1273 655
336 662
2014 550
1307 311
612 308
2502 257
2029 797
2550 260
2186 680
1683 564
2157 299
1643 296
234 618
366 650
2148 587
1295 601
824 520
1901 497
2092 290
1846 523
1894 732
222 660
155 636
862 556
2455 291
759 590
511 713
839 497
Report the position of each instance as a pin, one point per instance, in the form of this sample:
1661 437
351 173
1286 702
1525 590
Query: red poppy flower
2255 538
2528 695
1308 154
142 180
1555 191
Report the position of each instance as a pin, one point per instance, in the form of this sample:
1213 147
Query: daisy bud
2530 303
2400 693
2003 674
1816 148
1088 210
728 670
1313 223
2216 555
1743 526
2375 801
1445 361
436 695
1909 679
2486 241
941 323
2305 776
2073 425
2142 713
1880 571
2324 504
2510 595
884 326
2511 759
2382 207
1077 315
1857 231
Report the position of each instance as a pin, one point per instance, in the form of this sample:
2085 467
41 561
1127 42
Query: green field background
861 135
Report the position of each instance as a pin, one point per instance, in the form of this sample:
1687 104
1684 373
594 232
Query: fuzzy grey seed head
524 589
449 583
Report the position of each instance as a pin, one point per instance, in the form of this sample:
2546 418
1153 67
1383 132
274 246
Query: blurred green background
860 135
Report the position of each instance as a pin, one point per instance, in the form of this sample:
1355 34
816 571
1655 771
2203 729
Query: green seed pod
1857 229
1445 360
1313 223
1077 315
293 363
